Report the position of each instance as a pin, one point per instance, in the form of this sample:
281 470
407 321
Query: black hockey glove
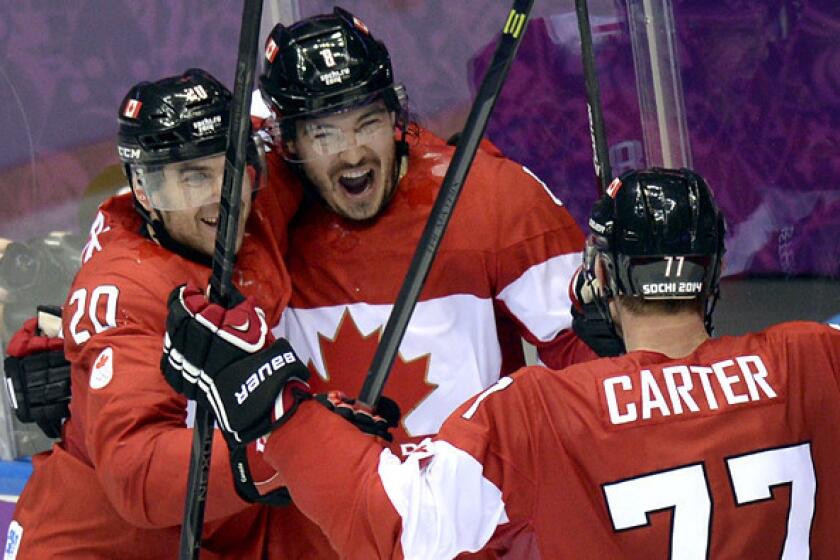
227 360
37 374
376 422
587 321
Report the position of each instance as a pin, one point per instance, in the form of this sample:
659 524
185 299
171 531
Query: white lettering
704 372
755 378
679 393
207 125
690 287
673 391
335 77
652 396
129 153
659 288
195 94
727 381
252 382
617 417
264 371
327 55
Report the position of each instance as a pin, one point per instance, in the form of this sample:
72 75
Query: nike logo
243 327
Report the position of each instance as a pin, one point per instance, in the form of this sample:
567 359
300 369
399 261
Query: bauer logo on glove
265 371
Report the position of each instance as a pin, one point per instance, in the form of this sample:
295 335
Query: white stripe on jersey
539 298
446 505
553 196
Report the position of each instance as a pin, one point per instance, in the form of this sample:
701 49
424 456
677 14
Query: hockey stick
224 258
424 255
597 130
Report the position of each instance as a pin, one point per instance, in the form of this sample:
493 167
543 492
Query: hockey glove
37 374
376 422
227 360
587 321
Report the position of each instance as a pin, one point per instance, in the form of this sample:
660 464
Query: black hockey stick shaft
224 258
462 159
597 129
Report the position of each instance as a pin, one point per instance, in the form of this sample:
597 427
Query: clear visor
193 183
312 137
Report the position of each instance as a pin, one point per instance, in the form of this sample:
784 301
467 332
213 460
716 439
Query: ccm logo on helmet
266 370
667 288
128 153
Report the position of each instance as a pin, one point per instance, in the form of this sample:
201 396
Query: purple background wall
64 67
762 91
762 81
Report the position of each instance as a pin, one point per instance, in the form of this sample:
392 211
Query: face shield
313 136
196 182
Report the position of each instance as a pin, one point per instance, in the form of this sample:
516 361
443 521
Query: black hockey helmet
326 63
660 235
178 119
174 119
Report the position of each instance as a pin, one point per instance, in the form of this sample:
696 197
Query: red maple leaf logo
101 361
347 358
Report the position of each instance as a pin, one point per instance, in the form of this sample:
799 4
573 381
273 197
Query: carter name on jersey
655 393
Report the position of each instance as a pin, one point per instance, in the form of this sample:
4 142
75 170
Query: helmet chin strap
606 293
711 302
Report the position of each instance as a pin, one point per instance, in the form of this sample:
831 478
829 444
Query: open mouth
212 222
356 182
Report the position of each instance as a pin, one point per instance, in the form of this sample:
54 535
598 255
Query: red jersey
502 271
114 487
729 452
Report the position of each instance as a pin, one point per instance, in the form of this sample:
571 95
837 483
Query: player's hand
587 321
37 374
227 360
376 422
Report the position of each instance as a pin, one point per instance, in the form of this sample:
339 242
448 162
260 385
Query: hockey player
114 486
685 447
504 265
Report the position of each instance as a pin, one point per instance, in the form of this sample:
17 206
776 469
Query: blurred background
747 92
